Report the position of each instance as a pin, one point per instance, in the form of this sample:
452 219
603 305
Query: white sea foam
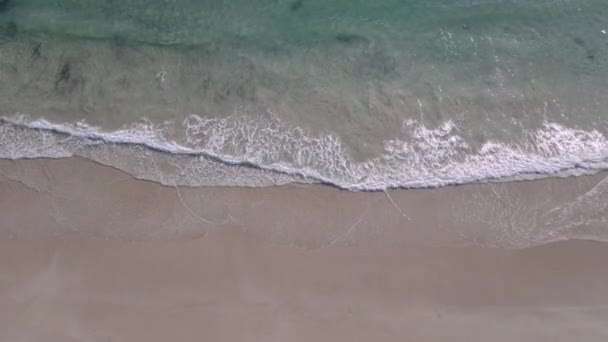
266 152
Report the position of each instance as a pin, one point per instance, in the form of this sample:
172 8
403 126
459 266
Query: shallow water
359 94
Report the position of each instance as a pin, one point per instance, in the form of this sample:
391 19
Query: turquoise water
359 94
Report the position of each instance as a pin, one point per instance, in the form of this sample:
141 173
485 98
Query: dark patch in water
589 53
37 51
119 40
64 74
578 41
388 65
11 30
379 64
296 5
5 5
350 38
67 80
466 27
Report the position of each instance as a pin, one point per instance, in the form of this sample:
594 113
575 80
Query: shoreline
71 193
135 150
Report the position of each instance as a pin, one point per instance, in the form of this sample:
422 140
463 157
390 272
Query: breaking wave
237 151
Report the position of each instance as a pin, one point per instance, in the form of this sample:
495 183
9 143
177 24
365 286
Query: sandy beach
232 288
303 170
88 253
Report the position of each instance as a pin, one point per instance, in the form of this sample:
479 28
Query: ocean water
362 95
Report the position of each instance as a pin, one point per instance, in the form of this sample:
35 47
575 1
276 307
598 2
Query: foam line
421 158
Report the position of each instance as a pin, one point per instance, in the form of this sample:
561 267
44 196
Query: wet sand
87 253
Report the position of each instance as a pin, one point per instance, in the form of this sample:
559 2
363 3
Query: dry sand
87 253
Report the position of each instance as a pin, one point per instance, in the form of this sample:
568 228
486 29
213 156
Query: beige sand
88 253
